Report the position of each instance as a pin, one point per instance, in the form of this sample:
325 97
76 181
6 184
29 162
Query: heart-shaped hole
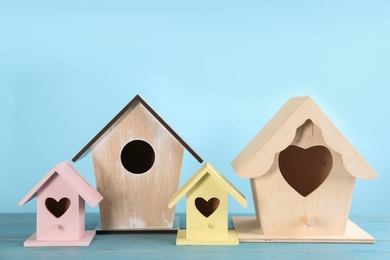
57 208
206 207
305 169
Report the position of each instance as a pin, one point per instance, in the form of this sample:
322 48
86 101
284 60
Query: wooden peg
56 226
309 221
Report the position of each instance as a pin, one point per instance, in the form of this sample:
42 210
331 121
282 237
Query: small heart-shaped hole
206 207
305 169
57 208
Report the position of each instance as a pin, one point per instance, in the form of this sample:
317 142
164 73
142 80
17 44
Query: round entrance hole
137 156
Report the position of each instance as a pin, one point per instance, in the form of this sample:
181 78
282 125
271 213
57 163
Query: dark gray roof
136 99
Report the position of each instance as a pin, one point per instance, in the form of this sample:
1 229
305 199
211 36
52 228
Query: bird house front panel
207 210
60 211
307 191
137 165
302 172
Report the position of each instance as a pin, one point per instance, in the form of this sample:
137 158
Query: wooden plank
15 228
85 240
231 240
248 230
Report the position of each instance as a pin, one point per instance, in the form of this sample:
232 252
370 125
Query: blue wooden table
15 228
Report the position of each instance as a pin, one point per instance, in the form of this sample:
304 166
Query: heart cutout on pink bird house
57 208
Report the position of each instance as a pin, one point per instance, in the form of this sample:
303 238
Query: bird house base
176 226
85 240
248 230
181 240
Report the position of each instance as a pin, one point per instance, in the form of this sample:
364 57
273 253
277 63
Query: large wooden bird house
207 208
61 197
302 172
137 161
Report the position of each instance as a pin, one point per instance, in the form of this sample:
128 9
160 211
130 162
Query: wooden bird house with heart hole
61 197
302 172
207 208
137 161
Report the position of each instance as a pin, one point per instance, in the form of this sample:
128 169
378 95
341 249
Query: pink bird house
61 197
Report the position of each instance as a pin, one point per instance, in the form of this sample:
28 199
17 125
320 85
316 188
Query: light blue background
216 71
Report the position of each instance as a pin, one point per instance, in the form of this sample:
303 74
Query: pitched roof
67 172
207 168
136 99
258 156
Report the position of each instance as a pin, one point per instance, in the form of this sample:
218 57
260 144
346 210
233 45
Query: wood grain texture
300 165
248 230
257 157
136 100
280 207
137 200
15 228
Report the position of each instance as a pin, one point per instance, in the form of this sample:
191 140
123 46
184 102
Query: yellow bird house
302 172
207 208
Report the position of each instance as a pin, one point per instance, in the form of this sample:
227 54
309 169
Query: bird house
207 208
137 161
302 172
61 197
